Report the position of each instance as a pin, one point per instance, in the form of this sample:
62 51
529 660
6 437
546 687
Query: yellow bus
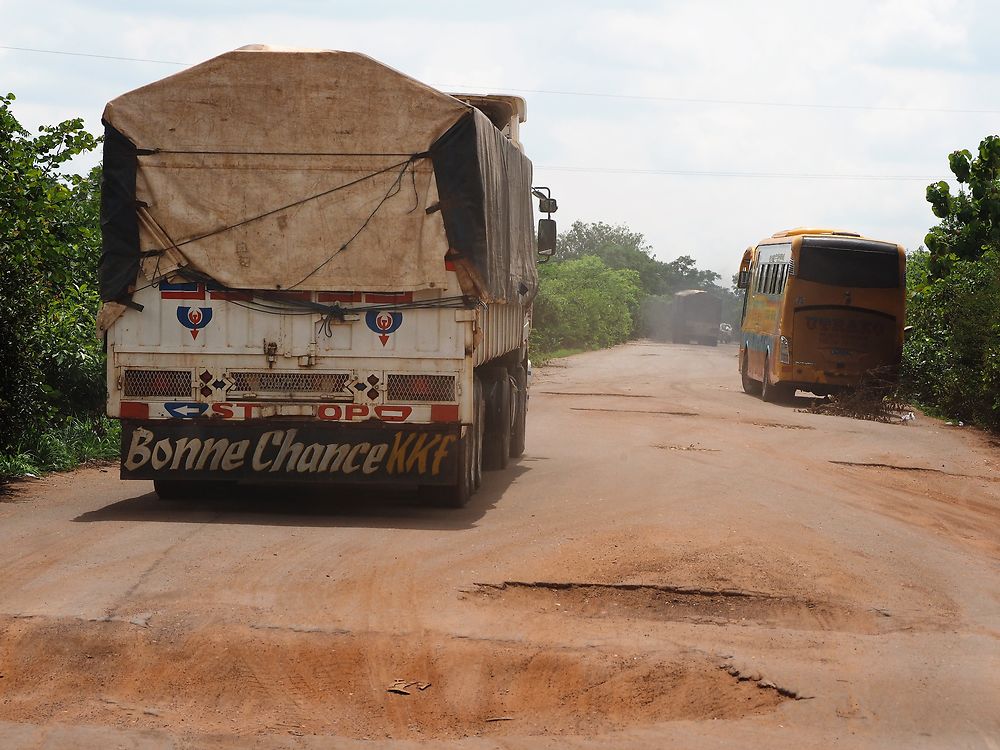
822 308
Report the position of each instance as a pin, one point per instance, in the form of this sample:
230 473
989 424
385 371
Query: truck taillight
785 353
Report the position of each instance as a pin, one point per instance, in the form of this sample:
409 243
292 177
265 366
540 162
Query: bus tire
773 393
517 434
750 386
496 443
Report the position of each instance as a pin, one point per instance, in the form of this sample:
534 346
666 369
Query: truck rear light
444 413
133 410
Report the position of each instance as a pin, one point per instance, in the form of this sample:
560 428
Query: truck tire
479 424
458 495
520 411
470 460
188 489
496 445
750 386
172 489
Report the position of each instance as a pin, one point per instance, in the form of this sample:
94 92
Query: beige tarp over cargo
309 170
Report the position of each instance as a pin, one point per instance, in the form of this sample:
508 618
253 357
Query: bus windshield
839 261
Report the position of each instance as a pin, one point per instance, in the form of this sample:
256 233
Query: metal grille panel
421 388
156 383
289 382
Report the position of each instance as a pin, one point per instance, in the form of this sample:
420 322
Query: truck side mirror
546 237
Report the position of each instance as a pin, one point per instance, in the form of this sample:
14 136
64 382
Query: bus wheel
774 393
750 385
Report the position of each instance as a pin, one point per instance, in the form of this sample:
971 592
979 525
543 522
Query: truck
317 269
696 314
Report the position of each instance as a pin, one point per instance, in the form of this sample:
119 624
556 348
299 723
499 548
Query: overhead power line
766 175
86 54
594 94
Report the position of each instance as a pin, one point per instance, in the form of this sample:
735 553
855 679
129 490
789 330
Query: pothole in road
239 680
678 604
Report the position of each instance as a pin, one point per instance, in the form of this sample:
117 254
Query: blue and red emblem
383 323
194 318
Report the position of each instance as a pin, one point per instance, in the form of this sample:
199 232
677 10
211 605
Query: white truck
317 269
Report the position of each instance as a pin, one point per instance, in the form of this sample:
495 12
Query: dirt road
673 564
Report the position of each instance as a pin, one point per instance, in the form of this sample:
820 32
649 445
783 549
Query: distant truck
696 316
317 269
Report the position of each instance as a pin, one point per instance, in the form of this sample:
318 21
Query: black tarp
484 187
119 222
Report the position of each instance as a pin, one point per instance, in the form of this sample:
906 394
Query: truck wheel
496 445
750 385
458 494
520 412
173 489
479 430
188 489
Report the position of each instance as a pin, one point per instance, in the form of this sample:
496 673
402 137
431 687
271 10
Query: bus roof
814 230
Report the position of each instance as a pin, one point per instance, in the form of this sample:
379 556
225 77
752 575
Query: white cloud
916 54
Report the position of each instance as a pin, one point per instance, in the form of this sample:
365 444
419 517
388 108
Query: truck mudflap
271 450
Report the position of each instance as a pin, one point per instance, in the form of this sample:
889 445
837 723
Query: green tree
620 248
584 304
951 359
51 363
970 220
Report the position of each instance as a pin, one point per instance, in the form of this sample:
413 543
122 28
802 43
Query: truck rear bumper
290 450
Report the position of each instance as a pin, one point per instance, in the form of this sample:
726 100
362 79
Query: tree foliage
619 247
951 360
584 304
604 285
970 220
51 363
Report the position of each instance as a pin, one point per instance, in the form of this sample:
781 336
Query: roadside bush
51 362
583 304
951 360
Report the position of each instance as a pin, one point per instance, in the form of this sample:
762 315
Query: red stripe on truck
389 297
444 412
133 410
338 296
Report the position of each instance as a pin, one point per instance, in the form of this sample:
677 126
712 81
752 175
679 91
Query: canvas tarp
311 170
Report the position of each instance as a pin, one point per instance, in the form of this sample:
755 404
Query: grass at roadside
540 359
64 446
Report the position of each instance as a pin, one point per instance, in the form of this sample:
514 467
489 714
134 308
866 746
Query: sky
705 125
